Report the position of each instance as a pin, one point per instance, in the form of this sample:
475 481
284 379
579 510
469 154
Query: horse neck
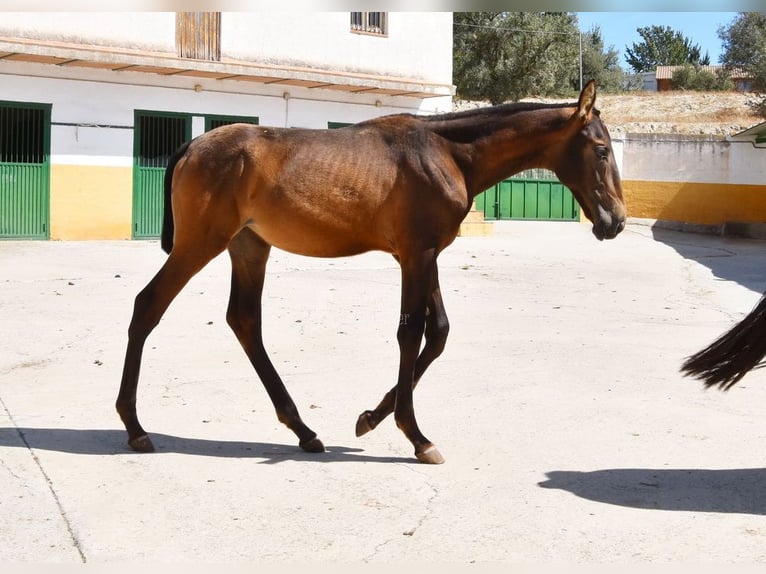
505 140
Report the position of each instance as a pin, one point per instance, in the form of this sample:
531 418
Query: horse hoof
141 444
364 423
312 445
430 456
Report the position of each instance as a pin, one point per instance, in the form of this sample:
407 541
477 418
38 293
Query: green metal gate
24 170
534 195
157 136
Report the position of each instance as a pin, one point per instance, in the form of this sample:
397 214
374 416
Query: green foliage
694 77
598 64
744 47
502 56
663 46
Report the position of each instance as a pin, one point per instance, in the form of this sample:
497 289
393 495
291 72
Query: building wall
415 46
93 110
92 138
413 49
694 179
120 29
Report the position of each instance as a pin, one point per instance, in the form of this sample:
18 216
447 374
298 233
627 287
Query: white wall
673 158
98 117
93 109
140 30
418 44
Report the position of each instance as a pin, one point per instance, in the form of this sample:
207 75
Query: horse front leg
417 279
436 333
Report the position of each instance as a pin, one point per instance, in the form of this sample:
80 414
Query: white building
91 104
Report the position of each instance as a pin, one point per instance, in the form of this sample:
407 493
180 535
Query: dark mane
491 111
473 116
469 125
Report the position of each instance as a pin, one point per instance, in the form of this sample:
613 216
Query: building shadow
726 491
740 260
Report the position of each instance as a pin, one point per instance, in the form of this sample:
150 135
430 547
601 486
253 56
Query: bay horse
400 184
732 355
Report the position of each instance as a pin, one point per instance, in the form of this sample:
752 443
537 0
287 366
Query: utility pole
581 61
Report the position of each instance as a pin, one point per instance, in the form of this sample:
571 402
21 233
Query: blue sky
619 28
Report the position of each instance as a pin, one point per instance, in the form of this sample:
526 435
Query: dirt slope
698 113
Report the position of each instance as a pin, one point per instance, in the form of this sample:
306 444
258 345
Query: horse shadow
111 442
728 491
728 258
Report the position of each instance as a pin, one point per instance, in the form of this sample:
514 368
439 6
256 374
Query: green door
156 137
534 196
24 170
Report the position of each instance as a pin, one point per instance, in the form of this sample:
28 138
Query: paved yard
568 432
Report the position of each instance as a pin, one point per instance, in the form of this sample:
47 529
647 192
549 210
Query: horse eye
602 151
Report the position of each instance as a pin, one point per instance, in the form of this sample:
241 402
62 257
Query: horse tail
167 216
733 354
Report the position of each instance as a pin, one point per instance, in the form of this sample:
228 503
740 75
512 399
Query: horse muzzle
608 225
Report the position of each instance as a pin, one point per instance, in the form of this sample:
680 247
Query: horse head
586 165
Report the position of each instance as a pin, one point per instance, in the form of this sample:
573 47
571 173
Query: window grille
370 22
198 35
22 134
158 138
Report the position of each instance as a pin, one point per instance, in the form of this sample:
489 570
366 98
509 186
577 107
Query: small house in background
664 74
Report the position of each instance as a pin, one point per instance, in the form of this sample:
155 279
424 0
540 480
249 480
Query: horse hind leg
249 255
150 304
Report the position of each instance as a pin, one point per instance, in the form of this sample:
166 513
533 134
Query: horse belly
318 237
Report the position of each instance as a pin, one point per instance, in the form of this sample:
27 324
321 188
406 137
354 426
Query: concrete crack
426 514
48 481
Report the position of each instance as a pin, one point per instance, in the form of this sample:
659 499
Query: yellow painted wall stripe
703 203
91 202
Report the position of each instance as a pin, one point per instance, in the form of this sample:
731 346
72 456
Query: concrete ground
569 434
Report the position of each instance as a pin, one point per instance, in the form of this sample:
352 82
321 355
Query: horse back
328 192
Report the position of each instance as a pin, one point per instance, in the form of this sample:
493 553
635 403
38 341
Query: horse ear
587 100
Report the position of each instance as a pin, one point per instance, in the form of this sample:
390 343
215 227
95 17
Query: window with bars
198 35
370 23
22 134
158 137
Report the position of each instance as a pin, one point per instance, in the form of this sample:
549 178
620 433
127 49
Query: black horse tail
733 354
167 216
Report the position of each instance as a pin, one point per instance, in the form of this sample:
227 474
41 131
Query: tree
501 56
598 64
663 46
694 77
744 47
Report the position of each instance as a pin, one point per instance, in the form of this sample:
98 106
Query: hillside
697 113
